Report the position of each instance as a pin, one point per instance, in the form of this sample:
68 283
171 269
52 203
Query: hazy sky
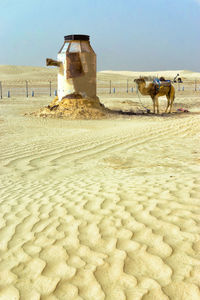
125 34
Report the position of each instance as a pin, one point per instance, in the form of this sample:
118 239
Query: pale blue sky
125 34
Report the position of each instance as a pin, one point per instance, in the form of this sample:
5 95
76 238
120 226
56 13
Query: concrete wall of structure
77 72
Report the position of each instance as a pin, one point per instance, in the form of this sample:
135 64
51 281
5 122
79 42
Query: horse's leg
168 103
171 96
170 109
157 104
171 103
153 99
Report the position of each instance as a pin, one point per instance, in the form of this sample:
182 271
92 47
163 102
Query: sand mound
74 108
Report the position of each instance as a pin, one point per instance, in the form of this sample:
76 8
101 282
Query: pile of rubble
74 106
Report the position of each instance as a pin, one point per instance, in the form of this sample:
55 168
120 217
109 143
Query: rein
148 110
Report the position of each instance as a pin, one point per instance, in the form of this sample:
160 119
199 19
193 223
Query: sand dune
99 209
21 73
185 74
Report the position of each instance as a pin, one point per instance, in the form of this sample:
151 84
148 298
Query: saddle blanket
161 82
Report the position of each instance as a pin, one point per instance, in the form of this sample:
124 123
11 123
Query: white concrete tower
77 67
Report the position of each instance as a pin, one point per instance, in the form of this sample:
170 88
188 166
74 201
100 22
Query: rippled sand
101 209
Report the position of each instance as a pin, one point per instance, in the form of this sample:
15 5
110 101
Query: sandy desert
99 209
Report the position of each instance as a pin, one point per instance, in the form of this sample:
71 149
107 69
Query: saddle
161 82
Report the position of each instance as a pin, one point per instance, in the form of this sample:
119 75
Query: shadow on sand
151 114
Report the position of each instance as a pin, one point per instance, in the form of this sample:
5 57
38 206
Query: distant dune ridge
168 74
17 73
11 73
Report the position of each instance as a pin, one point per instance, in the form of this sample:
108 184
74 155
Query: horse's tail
171 93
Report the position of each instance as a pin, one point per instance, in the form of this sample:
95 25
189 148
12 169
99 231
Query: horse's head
139 80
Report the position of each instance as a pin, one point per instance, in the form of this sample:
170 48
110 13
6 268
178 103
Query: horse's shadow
148 113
